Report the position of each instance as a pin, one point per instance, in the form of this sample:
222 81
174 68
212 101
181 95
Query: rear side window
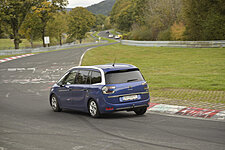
123 76
82 77
96 77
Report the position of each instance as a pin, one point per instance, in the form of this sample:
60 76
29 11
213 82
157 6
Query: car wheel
140 111
55 104
93 109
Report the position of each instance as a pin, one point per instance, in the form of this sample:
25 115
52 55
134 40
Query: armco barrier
182 44
42 49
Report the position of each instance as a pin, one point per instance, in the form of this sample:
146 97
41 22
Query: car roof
108 67
115 67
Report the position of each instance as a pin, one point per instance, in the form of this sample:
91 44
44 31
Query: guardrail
43 49
181 44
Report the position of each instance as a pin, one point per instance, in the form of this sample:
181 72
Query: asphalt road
27 121
106 35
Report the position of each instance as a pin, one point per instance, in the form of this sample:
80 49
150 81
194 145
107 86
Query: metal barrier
180 44
43 49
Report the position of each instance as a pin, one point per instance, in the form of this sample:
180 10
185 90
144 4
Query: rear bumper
123 106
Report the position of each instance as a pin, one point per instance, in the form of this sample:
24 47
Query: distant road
106 35
28 123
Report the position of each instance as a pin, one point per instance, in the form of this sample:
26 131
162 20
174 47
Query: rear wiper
131 80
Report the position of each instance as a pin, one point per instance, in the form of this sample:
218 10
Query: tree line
35 19
170 19
136 19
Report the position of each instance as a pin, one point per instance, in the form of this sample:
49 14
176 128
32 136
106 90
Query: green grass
113 32
88 39
189 69
9 44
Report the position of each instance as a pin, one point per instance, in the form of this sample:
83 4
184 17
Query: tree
99 22
13 13
107 24
121 15
161 16
45 10
58 26
140 9
31 28
177 31
125 13
204 19
80 22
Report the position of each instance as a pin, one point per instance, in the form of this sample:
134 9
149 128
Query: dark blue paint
76 96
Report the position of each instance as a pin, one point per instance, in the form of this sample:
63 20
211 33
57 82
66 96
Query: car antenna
114 62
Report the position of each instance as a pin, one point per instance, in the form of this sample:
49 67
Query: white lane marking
28 81
83 56
37 93
21 69
7 95
77 147
31 69
11 69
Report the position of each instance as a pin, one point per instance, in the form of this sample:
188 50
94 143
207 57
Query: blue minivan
101 89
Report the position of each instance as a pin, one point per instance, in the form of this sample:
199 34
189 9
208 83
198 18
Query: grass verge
190 74
9 44
113 32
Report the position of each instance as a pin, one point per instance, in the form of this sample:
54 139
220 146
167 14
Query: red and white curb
187 111
14 57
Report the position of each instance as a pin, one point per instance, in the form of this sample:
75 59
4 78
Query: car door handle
68 88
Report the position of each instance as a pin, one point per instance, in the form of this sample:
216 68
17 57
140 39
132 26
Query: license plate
130 97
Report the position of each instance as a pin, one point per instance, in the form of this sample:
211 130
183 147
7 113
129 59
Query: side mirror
61 84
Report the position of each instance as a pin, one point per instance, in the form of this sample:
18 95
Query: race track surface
27 121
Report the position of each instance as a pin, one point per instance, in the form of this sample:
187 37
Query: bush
164 35
177 31
141 33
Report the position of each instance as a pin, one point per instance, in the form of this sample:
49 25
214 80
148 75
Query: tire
55 104
140 111
93 109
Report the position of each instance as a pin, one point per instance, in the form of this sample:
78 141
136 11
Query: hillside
104 7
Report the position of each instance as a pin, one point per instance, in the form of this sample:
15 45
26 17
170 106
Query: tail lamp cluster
108 89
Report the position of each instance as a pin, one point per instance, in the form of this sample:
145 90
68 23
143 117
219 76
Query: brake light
108 89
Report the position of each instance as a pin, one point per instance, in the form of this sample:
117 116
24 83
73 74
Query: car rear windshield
123 76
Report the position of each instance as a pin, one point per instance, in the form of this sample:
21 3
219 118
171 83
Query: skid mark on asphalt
186 136
126 137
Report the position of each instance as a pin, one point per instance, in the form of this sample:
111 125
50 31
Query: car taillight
108 89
